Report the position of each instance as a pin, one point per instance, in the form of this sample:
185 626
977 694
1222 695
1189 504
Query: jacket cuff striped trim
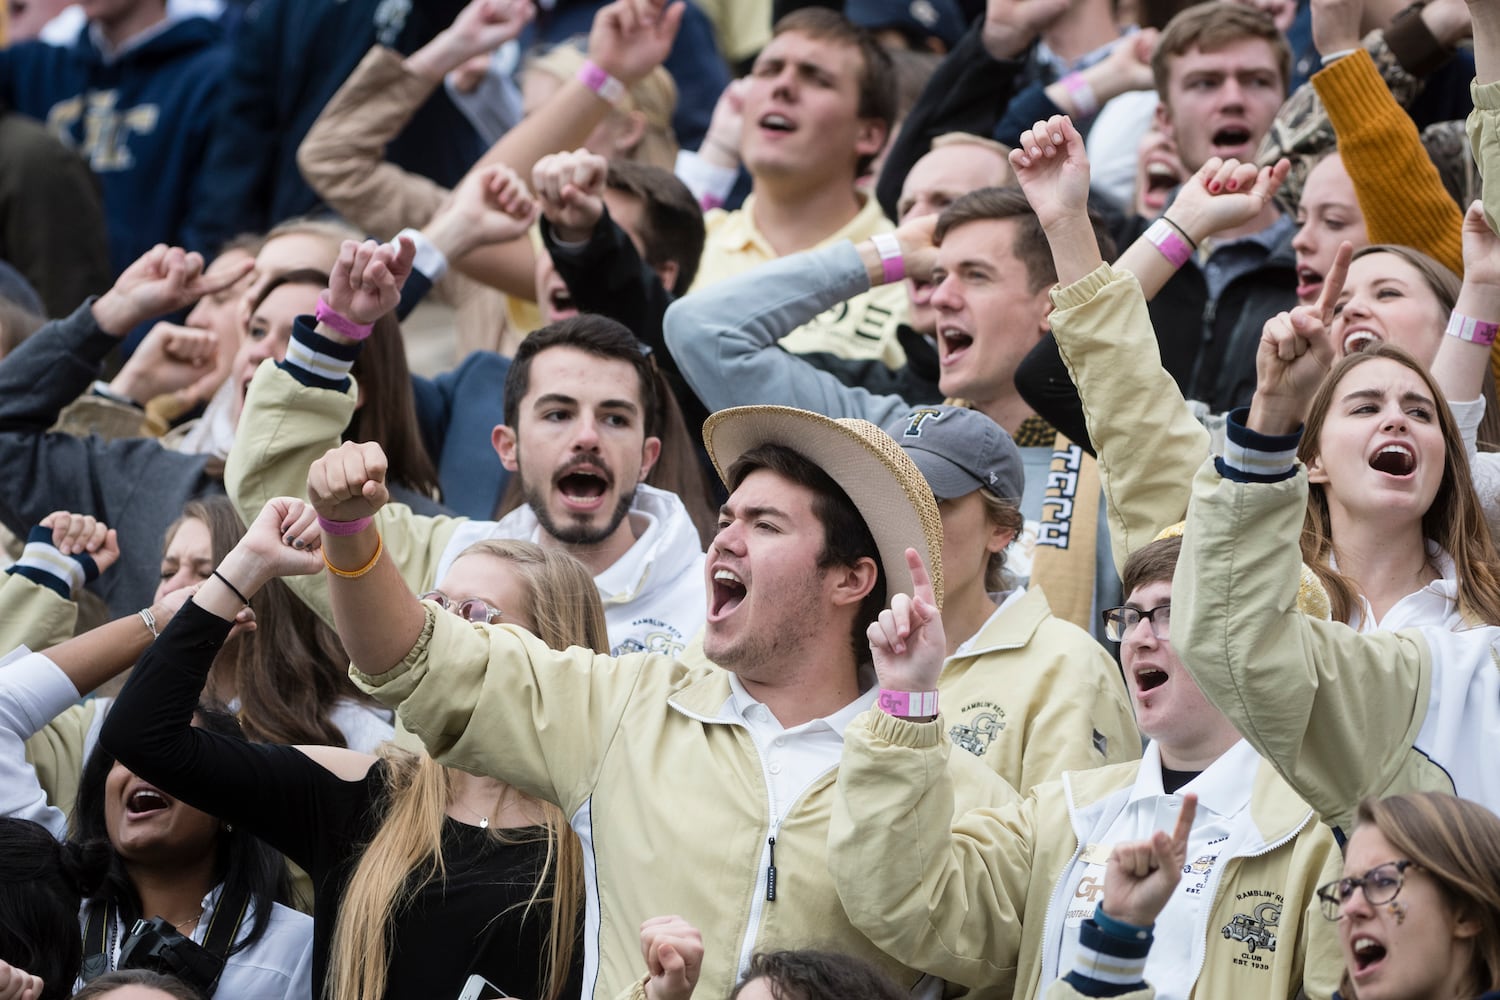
1252 457
316 361
1108 965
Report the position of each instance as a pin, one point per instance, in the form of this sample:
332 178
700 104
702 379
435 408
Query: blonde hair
654 96
563 602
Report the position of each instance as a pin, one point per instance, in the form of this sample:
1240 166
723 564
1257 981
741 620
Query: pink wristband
335 320
344 527
597 79
909 704
892 263
1082 94
1164 236
1475 331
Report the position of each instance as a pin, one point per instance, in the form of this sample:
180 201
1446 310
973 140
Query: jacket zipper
768 863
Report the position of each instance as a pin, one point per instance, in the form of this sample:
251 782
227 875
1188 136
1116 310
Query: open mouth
1394 460
582 488
1149 679
1360 340
1367 953
728 593
954 343
1308 283
560 301
1231 135
1161 179
774 122
145 801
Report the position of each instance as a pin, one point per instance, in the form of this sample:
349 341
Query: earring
1398 911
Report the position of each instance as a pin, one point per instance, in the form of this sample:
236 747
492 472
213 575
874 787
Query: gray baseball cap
959 451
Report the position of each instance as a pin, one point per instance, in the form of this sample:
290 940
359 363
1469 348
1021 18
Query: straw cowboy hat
878 477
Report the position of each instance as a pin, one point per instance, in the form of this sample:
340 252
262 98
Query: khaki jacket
286 427
1034 696
1147 441
32 615
978 890
664 787
1341 714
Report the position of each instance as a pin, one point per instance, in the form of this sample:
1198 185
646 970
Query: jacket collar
1011 627
1275 808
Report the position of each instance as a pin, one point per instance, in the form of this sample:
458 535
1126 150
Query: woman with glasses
424 875
1418 908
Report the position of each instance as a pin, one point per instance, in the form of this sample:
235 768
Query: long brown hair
563 602
291 672
388 410
1456 843
1454 520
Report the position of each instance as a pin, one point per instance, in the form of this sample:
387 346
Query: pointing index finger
1333 281
920 581
1185 821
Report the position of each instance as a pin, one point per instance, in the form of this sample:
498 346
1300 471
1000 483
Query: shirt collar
740 702
1223 788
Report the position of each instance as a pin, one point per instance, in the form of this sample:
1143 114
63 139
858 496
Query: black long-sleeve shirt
473 920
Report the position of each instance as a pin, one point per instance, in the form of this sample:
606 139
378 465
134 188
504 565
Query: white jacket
654 596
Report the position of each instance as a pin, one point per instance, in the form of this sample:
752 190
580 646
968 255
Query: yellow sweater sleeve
1400 193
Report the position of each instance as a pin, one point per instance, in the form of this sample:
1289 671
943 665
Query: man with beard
579 431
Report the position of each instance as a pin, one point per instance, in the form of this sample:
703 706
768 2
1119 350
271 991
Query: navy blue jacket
290 56
457 412
142 121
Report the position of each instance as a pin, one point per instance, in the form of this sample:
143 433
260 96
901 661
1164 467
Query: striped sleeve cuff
1109 963
1252 457
317 361
42 563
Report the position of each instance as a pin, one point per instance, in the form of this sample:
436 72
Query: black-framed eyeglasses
1380 885
1119 621
471 609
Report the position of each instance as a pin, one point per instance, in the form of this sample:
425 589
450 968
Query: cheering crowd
764 499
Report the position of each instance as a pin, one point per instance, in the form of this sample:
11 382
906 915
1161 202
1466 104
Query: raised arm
1462 358
1336 712
955 910
296 409
342 156
1400 193
724 338
280 793
1131 405
628 39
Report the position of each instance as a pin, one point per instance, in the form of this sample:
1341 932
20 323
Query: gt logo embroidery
917 419
977 736
93 124
1255 929
651 635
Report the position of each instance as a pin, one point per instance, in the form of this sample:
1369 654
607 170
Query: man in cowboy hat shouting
697 791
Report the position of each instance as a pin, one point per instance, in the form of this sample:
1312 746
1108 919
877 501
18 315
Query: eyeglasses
1380 885
1118 622
471 609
